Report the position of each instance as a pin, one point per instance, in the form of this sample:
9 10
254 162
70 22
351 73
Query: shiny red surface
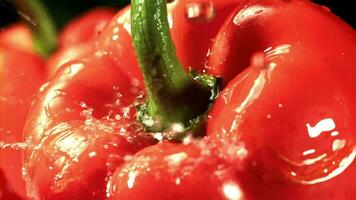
13 34
77 38
81 126
21 75
5 191
282 128
172 171
258 25
192 34
86 27
67 54
292 108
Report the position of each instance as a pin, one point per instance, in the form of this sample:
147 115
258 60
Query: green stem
173 96
41 24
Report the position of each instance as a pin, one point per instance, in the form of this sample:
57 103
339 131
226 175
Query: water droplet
158 136
131 180
83 104
126 112
115 37
116 30
232 191
43 87
248 13
241 152
117 117
322 126
308 152
334 133
108 187
128 158
177 127
338 144
175 159
17 146
200 12
188 139
51 99
178 181
87 112
92 154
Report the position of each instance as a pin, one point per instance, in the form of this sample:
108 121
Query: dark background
64 10
61 10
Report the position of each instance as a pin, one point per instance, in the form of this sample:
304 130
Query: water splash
17 146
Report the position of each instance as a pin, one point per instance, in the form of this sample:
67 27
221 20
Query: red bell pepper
5 191
291 109
17 36
78 37
252 30
175 171
67 54
190 20
70 137
20 67
21 75
284 126
39 21
85 28
83 125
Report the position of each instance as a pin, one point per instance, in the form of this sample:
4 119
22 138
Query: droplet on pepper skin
176 171
296 122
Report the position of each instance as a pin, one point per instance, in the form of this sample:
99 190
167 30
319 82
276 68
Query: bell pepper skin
83 129
292 109
85 28
116 42
17 36
77 38
21 75
5 191
83 123
193 32
253 29
67 54
199 28
173 171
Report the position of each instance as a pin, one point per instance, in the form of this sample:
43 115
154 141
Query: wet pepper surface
194 99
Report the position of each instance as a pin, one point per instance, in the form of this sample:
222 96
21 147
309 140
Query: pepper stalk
174 97
39 20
